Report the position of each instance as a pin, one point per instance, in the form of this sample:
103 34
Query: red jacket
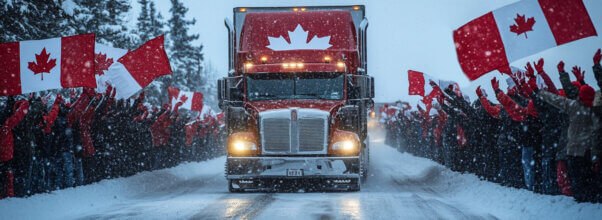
6 133
493 110
516 112
85 122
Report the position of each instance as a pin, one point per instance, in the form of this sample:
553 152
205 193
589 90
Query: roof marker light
242 10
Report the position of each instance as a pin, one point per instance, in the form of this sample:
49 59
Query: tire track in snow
235 206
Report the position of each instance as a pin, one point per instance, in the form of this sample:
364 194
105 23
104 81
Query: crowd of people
540 137
47 145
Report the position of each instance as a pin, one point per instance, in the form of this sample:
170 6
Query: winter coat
583 124
6 133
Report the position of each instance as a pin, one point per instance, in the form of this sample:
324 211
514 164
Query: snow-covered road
400 186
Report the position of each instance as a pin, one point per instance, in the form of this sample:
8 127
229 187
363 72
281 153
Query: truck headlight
242 143
245 146
344 143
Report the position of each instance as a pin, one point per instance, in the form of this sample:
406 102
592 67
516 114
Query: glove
580 75
597 57
433 84
479 92
560 67
495 84
530 70
539 66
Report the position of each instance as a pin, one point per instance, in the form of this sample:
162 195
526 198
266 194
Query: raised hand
539 65
495 84
560 67
479 92
530 70
433 84
597 57
580 75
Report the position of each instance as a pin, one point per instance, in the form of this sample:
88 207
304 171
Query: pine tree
156 21
144 21
186 59
106 19
32 20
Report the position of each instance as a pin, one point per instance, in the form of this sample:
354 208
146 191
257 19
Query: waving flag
37 65
129 72
510 33
194 100
104 57
419 83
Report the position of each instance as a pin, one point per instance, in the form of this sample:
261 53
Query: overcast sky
402 35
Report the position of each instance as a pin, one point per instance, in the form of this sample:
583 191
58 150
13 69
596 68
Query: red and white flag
515 31
104 57
194 100
37 65
419 83
133 70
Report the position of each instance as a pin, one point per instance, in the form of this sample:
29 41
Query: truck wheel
233 190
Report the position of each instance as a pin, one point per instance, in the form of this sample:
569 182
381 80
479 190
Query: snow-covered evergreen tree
186 59
106 18
32 20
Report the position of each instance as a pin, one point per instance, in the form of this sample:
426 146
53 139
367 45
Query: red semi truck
296 99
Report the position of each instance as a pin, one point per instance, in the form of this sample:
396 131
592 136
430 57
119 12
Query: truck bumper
272 173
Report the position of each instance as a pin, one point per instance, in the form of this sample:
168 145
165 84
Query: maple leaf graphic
522 25
42 64
101 63
298 39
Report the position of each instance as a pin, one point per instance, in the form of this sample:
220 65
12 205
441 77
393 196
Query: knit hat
586 95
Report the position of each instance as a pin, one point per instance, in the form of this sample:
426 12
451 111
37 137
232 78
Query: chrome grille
282 135
311 134
276 134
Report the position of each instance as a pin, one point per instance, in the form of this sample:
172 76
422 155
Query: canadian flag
510 33
194 100
104 57
37 65
130 71
419 83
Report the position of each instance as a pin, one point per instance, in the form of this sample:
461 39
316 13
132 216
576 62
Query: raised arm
493 110
569 89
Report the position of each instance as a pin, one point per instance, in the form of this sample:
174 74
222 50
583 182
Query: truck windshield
275 86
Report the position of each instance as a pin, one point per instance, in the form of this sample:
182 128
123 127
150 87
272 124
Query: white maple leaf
299 41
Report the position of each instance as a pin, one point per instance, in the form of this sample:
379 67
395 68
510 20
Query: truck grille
276 134
281 134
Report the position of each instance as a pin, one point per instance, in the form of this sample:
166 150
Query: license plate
294 172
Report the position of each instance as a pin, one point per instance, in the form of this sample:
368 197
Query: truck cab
297 98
